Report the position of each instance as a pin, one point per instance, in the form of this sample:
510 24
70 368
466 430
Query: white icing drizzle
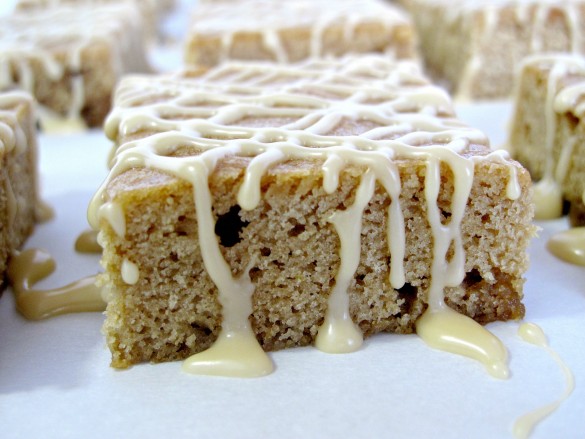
338 333
406 128
442 328
54 41
524 425
232 19
236 351
114 214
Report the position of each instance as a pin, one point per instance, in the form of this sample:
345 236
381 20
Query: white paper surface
55 379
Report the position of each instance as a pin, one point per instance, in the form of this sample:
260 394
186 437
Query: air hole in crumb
185 226
450 252
296 230
254 274
201 329
265 251
365 326
182 348
566 207
228 227
472 278
572 119
446 216
409 294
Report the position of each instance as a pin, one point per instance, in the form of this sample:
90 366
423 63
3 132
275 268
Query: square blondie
295 30
547 132
476 47
70 58
292 196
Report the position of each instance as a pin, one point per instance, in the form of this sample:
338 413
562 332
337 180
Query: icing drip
442 328
338 333
236 352
29 267
548 199
43 211
130 272
405 127
524 425
569 245
114 214
87 242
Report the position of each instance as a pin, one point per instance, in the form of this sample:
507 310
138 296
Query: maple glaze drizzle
28 267
87 242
